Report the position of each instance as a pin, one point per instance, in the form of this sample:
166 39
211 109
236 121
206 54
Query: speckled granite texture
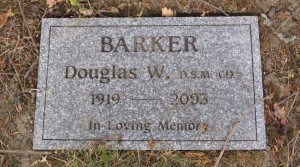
211 75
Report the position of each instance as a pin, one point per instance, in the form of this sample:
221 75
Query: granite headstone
150 83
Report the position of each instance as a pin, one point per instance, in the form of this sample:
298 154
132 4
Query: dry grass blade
294 144
25 23
234 129
215 7
1 160
241 120
288 19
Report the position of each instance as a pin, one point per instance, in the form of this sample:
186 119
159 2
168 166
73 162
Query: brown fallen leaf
167 12
152 144
19 108
194 155
271 116
284 15
206 161
146 5
86 12
2 65
5 16
122 5
3 123
198 155
204 13
203 127
280 113
114 10
51 3
151 155
2 160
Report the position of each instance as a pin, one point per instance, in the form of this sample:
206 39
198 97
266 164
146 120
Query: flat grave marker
149 83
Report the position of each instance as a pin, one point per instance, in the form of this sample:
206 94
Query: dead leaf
206 161
51 3
3 123
10 13
276 106
96 144
271 96
194 155
35 163
114 10
86 12
2 65
5 16
152 144
280 113
151 155
204 13
198 155
167 12
271 115
19 108
44 159
284 15
1 160
284 90
146 5
203 127
291 74
122 5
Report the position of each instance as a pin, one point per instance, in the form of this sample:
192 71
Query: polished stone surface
95 84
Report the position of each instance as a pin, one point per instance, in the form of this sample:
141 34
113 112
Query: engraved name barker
106 74
155 44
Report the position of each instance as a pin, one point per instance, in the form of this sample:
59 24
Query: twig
1 160
31 152
139 157
287 115
44 14
67 164
26 25
288 19
91 6
294 94
241 120
293 149
18 78
30 68
215 7
4 53
294 144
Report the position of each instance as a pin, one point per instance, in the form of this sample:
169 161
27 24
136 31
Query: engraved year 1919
100 98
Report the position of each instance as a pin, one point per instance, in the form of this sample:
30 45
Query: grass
102 157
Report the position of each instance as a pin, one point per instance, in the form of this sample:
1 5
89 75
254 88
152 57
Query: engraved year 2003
189 99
